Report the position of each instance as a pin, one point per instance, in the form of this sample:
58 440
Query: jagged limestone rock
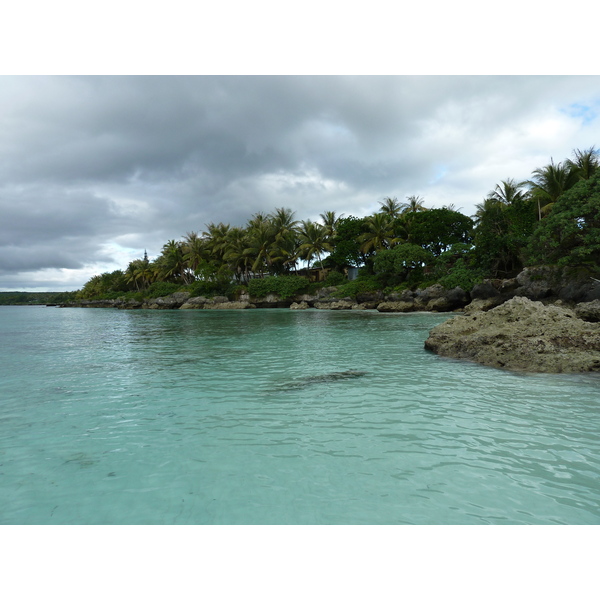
483 304
522 335
227 305
168 302
398 306
589 311
197 302
344 304
299 305
363 306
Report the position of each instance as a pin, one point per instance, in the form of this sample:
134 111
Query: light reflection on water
246 417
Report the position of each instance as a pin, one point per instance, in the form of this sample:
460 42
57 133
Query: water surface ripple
280 417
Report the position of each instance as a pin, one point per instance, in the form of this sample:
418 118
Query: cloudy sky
96 169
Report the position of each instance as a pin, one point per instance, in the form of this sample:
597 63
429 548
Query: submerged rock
324 378
522 335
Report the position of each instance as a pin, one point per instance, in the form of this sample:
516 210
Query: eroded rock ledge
521 335
566 285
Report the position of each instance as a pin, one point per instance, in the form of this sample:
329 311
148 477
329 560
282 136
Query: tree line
552 218
33 298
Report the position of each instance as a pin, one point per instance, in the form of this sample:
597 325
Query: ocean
280 417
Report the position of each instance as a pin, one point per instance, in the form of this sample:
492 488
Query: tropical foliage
27 298
552 218
570 235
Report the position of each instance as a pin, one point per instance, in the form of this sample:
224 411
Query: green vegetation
285 286
11 298
364 284
551 219
570 234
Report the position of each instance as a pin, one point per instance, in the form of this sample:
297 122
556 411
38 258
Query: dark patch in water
81 459
325 378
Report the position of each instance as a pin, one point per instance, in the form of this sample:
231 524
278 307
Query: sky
94 170
127 125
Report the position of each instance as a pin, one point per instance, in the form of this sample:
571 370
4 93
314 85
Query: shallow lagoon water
280 417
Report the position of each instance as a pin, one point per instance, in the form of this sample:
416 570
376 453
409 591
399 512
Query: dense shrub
362 284
284 286
570 234
460 275
402 260
161 288
335 278
210 288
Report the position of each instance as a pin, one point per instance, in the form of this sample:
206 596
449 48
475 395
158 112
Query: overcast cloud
94 170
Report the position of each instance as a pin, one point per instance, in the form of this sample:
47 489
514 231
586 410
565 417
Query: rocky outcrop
172 301
569 284
197 302
396 306
229 305
299 305
362 306
216 303
435 298
548 284
482 304
335 304
369 300
269 301
522 335
588 311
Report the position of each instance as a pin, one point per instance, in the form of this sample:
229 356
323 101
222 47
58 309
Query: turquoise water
280 417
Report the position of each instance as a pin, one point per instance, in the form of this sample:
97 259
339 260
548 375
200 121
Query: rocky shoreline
544 320
549 285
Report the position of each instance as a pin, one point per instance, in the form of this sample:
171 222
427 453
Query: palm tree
282 221
380 234
140 272
195 250
257 220
391 207
508 191
313 241
283 252
414 204
261 237
173 264
330 221
215 241
490 205
235 254
549 183
586 162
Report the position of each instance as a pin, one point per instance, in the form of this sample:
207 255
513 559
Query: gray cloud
93 170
